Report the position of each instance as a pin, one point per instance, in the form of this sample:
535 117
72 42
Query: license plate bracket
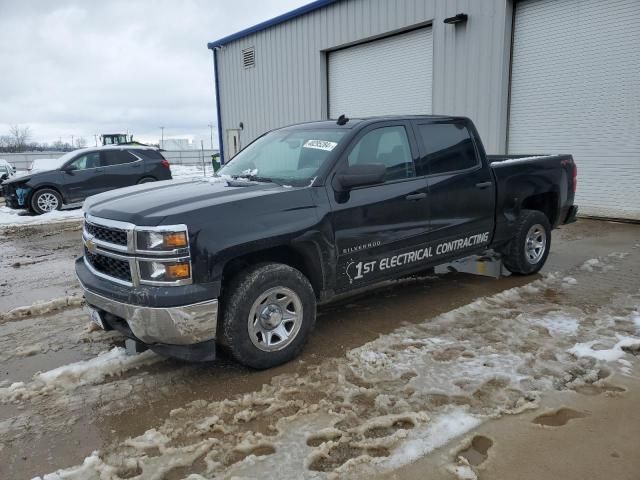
96 317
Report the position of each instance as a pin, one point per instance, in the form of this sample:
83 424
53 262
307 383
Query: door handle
482 185
416 196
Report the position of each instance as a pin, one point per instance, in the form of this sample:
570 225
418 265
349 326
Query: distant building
177 143
536 76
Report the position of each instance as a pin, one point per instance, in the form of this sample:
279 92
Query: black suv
82 173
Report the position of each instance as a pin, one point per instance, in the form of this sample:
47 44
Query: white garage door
391 76
575 88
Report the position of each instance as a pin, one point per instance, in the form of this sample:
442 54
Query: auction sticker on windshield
320 145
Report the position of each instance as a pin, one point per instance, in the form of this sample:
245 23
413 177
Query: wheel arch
34 190
547 203
303 256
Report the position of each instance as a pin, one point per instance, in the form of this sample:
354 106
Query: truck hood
172 201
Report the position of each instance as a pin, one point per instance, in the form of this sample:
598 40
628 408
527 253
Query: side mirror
361 175
69 169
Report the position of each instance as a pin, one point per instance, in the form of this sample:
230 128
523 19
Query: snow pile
596 265
612 354
69 377
11 218
41 308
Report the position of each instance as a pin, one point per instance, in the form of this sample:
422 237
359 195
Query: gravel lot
394 381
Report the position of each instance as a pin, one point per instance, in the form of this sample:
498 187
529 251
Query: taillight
575 177
165 163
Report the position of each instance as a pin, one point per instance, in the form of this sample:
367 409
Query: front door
374 226
82 177
461 187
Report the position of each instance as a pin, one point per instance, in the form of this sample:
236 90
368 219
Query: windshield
44 164
289 157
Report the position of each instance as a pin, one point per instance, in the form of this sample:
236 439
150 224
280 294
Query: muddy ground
390 375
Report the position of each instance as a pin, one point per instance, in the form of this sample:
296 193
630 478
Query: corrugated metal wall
289 85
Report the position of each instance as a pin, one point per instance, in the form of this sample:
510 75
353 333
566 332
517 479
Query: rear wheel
268 314
527 252
46 200
146 180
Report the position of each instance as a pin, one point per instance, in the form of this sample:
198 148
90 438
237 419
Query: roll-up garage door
575 88
390 76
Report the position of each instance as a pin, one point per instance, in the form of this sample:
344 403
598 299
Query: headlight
153 271
159 240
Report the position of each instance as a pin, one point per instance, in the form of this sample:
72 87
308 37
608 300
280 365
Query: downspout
218 108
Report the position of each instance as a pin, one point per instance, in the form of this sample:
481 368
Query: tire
45 200
527 252
146 180
253 329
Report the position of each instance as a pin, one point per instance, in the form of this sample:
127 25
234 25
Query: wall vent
249 57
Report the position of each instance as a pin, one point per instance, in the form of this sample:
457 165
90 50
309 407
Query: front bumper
168 325
185 325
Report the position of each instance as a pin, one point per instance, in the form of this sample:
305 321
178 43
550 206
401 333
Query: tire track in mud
393 399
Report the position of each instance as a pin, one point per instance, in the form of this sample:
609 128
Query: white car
6 170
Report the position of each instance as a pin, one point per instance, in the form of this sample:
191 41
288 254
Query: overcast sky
97 66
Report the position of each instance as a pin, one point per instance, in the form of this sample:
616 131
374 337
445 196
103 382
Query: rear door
461 187
81 177
373 224
121 169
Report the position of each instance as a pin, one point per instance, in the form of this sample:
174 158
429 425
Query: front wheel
269 311
45 200
527 252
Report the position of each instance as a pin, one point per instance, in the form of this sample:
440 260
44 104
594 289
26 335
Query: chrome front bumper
184 325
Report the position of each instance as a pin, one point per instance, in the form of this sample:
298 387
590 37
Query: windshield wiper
254 178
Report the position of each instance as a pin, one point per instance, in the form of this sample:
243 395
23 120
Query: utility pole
96 137
204 165
72 142
211 128
162 137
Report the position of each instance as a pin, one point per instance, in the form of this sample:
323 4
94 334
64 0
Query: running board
488 265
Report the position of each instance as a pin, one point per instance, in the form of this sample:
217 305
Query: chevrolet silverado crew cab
68 180
240 260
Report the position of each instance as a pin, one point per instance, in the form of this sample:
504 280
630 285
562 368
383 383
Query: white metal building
536 76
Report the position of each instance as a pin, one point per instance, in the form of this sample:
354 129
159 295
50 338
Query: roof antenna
342 120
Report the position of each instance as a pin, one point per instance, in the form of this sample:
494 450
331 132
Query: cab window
388 146
447 147
86 161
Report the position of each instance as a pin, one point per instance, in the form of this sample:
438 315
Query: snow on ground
11 218
74 375
399 397
41 308
188 171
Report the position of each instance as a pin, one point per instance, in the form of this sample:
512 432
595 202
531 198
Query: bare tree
19 136
81 142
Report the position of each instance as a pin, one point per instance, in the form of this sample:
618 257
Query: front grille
110 235
112 267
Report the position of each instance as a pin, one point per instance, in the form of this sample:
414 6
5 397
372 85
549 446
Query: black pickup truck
304 213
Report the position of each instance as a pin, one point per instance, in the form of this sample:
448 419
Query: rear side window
388 146
116 157
149 154
448 147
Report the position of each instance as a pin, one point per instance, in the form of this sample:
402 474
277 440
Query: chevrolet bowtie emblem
91 245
